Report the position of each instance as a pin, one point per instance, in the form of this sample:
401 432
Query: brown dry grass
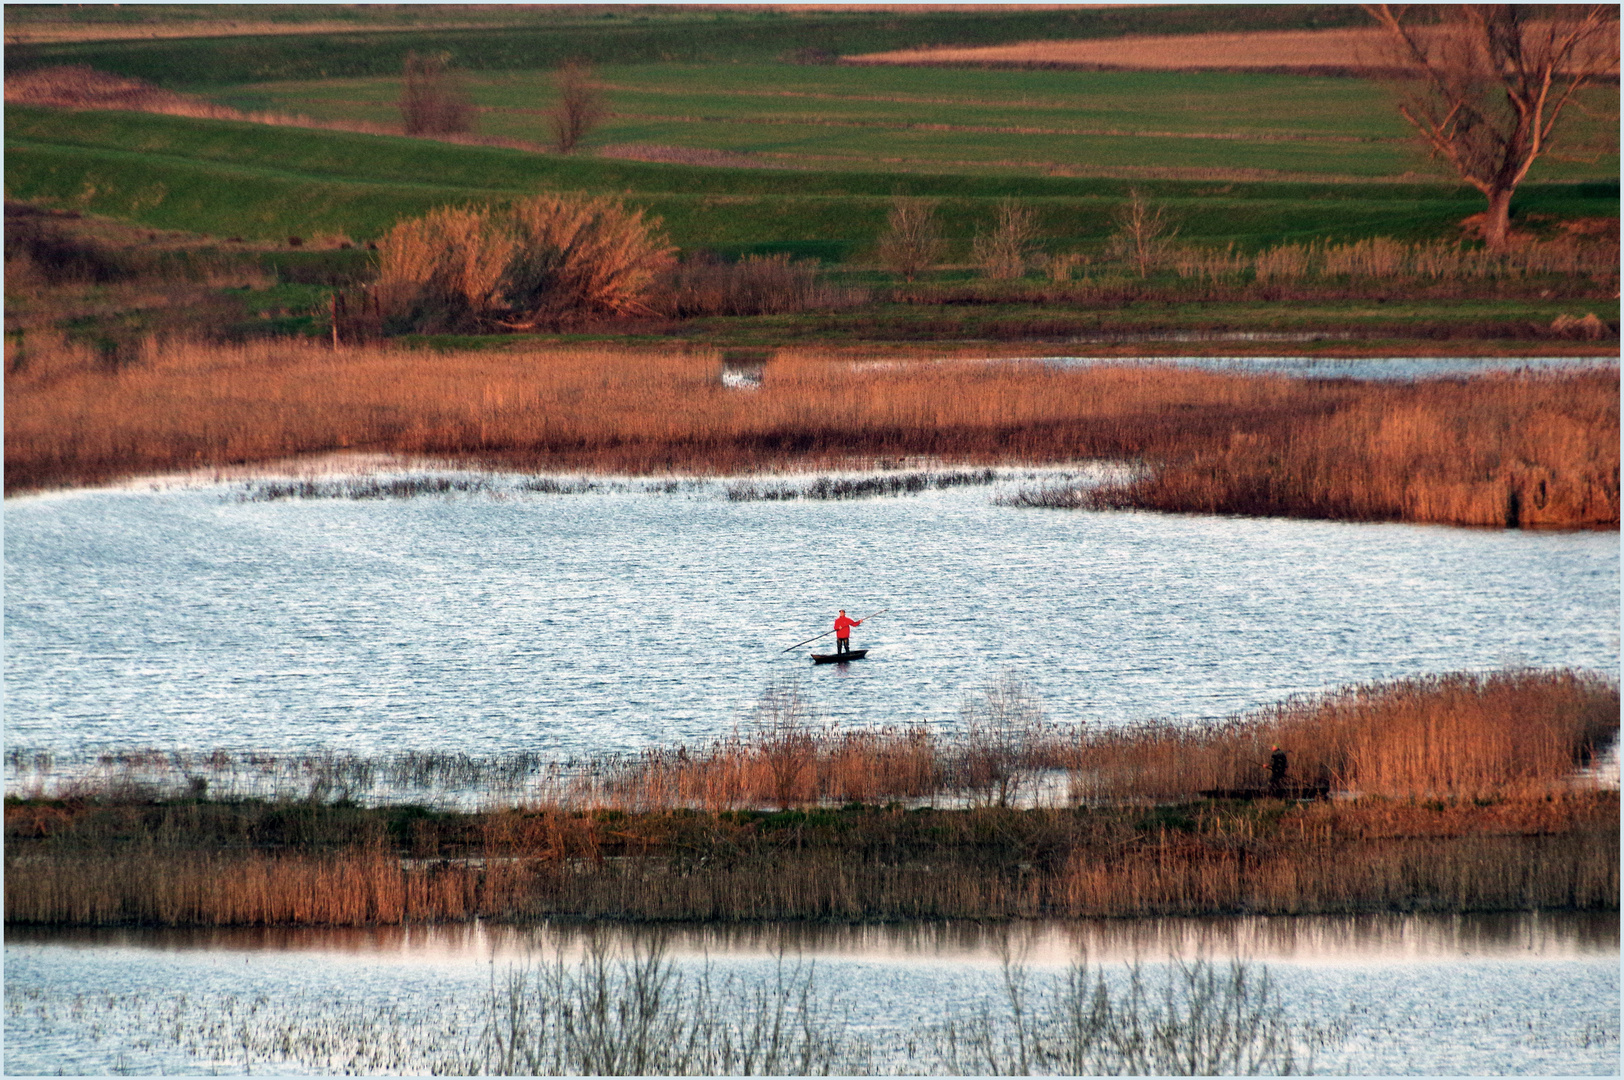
1454 736
1482 814
80 87
1352 49
1444 737
1460 452
986 863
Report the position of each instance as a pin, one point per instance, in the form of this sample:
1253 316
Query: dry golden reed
1456 793
1373 855
1509 449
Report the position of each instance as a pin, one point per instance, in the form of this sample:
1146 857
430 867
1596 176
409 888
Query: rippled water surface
1408 994
635 614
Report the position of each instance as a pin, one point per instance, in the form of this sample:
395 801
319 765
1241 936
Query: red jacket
843 627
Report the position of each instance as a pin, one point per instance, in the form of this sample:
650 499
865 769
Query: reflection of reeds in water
1467 803
1530 450
636 1012
860 487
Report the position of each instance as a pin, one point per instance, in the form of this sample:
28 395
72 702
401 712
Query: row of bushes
554 258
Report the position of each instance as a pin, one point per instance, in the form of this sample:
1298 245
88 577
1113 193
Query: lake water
1500 994
171 614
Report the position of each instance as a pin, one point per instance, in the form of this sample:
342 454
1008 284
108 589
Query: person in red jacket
843 627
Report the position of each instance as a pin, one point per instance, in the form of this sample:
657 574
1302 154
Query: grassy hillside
1198 124
541 38
255 181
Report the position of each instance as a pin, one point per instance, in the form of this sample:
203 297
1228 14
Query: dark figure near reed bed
1277 771
843 627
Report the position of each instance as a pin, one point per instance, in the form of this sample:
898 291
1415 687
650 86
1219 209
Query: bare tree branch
580 106
1489 82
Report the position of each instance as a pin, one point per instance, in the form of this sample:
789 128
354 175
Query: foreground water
641 613
1509 994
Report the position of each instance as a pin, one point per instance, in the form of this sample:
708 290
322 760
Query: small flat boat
838 658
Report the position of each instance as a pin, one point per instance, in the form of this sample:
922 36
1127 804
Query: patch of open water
1501 994
613 618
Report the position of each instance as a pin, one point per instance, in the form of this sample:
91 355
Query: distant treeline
698 36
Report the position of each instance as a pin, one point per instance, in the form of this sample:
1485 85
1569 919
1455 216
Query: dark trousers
842 645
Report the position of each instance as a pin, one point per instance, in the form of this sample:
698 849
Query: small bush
580 106
755 285
38 246
913 239
1002 253
433 100
1143 234
542 262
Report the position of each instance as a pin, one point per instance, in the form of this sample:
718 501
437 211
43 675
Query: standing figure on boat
1277 771
843 627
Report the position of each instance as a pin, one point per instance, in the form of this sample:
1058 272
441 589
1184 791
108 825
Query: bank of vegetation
1496 450
1450 794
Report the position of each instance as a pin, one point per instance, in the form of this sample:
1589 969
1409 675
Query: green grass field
1208 124
262 182
820 151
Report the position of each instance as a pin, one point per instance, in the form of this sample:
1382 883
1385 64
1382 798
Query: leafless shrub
1004 252
913 240
755 285
1144 235
636 1015
433 100
1003 738
1207 1020
545 260
580 106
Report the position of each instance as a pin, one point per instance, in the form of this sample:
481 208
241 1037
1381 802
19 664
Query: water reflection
1378 939
1377 368
598 621
1502 994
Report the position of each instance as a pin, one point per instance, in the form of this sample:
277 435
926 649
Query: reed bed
1456 736
853 865
1395 262
1512 449
1454 794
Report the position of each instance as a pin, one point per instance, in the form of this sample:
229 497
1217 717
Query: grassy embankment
332 190
1463 801
1530 450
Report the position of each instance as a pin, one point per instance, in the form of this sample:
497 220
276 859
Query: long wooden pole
826 633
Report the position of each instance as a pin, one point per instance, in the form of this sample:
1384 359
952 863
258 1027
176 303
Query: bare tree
433 100
580 106
1003 253
1143 234
1487 85
913 240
